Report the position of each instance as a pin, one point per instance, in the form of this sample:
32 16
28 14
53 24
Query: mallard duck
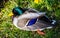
30 19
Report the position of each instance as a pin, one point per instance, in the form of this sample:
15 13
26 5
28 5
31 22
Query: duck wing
31 15
38 25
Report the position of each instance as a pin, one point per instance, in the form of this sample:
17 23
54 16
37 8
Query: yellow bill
11 14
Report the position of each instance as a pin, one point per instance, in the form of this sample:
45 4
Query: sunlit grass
8 30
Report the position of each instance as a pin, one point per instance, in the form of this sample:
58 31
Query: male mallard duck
30 20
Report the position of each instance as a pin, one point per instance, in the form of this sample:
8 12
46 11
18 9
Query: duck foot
40 32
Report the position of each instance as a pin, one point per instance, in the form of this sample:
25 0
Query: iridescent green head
18 11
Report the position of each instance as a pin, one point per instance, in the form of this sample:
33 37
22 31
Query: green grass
8 30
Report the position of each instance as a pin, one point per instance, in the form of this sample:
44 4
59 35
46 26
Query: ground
8 30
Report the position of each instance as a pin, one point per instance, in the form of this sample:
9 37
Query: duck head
17 11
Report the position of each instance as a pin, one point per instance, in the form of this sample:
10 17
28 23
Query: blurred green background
8 30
